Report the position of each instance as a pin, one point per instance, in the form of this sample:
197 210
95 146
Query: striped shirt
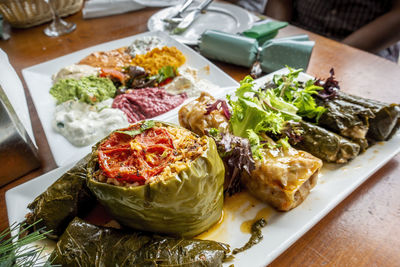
253 5
337 19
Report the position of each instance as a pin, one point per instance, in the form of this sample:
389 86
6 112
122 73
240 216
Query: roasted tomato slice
135 159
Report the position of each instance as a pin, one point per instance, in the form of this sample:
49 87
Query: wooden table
362 231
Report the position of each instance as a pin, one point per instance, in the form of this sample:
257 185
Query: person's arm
279 9
378 34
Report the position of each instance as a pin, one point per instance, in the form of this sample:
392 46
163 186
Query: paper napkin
14 91
101 8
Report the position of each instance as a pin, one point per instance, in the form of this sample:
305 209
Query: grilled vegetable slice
84 244
162 179
62 201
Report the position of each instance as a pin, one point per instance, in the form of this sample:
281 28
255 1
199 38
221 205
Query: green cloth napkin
294 51
265 31
227 47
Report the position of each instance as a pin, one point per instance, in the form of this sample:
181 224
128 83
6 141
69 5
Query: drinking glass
58 26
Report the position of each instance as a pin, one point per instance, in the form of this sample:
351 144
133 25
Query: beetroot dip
147 103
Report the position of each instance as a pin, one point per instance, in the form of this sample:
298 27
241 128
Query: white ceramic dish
219 16
38 79
336 182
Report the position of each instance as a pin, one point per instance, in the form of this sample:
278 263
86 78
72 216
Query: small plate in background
219 16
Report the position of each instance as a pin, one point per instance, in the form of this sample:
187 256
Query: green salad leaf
255 112
145 126
259 112
297 93
166 72
255 144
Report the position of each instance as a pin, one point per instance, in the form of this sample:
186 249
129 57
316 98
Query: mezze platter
336 182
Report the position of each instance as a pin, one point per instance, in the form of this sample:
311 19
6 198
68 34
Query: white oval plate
219 16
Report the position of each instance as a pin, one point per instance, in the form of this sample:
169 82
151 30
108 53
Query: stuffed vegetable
324 144
62 201
345 118
279 174
386 116
203 114
283 176
84 244
158 177
379 120
208 116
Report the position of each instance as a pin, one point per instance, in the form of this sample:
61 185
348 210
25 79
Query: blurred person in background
370 25
257 6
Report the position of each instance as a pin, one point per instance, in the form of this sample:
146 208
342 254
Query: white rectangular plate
38 79
336 182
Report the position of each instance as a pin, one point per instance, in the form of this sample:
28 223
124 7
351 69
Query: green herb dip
87 89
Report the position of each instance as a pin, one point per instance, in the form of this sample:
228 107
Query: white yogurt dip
145 44
83 124
188 82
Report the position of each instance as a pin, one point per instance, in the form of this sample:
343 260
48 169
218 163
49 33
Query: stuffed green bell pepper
158 177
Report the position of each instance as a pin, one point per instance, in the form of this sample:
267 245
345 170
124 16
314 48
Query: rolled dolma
283 176
325 145
386 116
158 177
345 118
65 199
84 244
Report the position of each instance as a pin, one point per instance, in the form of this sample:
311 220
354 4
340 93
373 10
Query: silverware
176 17
189 18
18 155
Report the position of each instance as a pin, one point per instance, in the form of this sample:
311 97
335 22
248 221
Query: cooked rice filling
157 154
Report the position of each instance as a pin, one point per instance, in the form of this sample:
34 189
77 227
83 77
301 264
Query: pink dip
140 104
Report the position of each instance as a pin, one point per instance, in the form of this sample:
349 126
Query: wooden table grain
361 231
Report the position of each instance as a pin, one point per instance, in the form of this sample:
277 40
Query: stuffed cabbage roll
84 244
324 144
62 201
283 176
203 114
